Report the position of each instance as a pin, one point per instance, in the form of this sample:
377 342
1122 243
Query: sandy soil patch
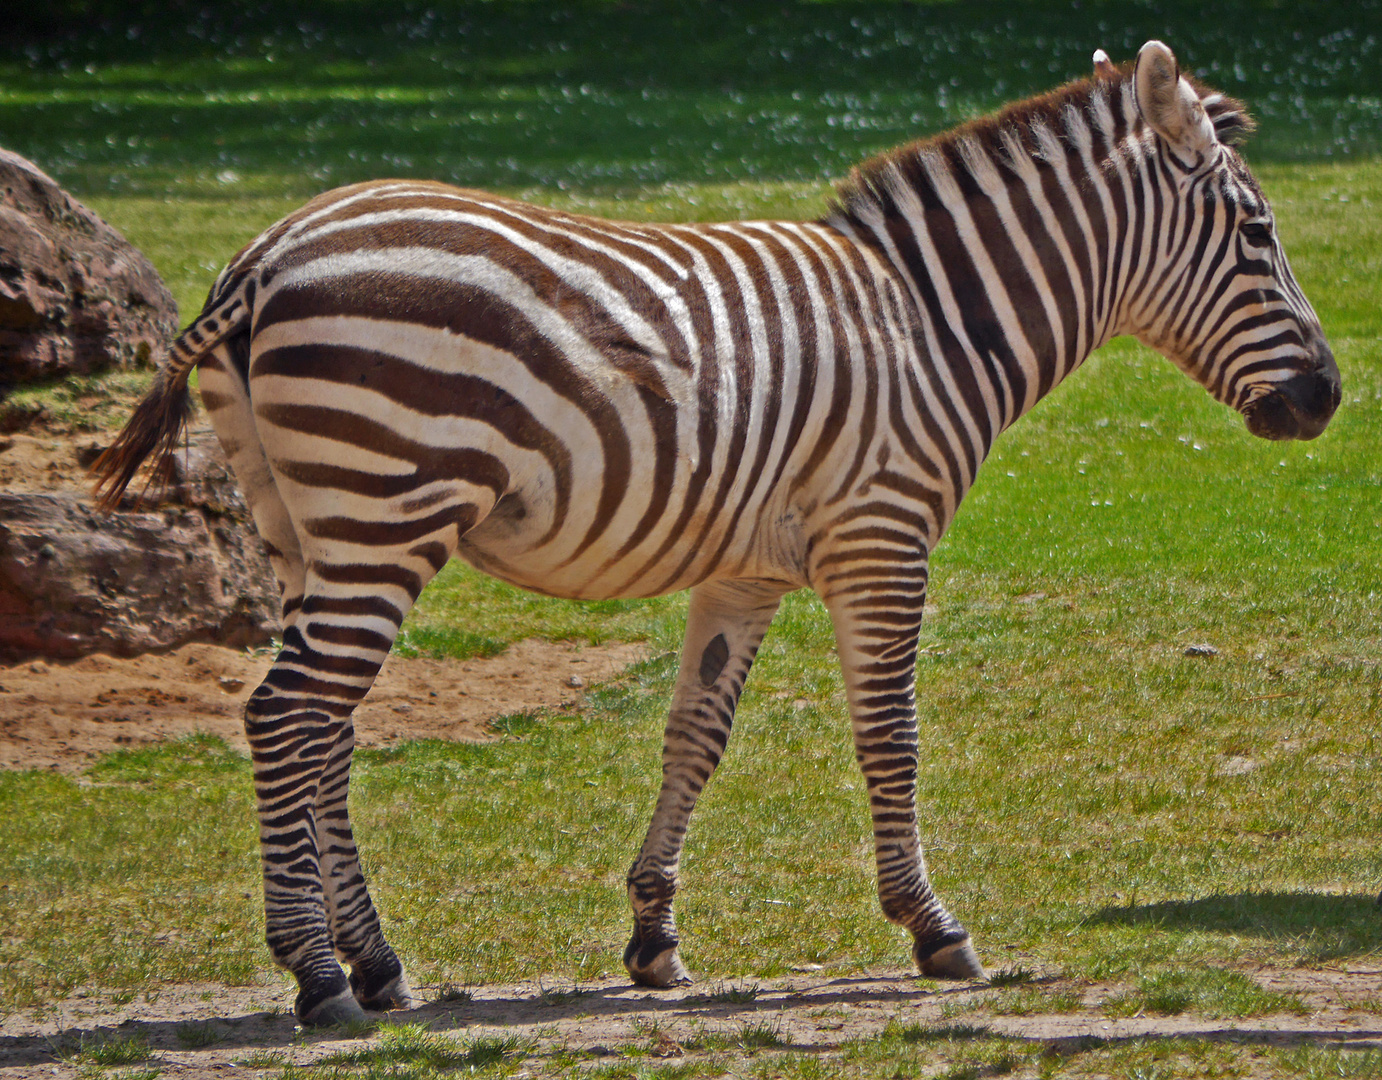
60 715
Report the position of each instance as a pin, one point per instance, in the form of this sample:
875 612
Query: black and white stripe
402 372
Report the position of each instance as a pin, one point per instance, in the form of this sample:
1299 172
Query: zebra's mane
1105 104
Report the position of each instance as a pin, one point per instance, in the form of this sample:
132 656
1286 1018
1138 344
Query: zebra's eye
1257 233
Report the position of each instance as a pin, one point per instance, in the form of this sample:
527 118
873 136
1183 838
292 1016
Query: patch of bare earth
60 715
609 1018
44 461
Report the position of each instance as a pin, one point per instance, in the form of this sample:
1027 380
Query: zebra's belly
509 545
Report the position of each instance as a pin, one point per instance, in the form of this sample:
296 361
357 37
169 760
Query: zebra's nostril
1311 399
1270 417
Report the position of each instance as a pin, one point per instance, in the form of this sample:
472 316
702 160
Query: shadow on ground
1328 925
804 1015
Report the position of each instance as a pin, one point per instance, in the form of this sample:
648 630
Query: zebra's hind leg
317 906
228 405
724 627
377 979
294 720
876 626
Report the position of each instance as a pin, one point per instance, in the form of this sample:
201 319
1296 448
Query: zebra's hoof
336 1010
382 985
396 994
956 961
657 966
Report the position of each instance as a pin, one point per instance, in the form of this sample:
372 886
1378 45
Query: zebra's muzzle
1300 407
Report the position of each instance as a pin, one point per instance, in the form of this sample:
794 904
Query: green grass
84 403
951 1051
1092 798
1031 1000
415 1050
106 1051
1207 990
945 1033
443 641
263 1059
967 1051
730 995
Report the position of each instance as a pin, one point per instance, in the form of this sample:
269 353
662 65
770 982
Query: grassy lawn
1096 802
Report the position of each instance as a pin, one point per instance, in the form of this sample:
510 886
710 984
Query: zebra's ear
1168 103
1103 66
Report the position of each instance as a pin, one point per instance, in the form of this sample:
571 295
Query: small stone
575 681
38 667
1201 650
230 684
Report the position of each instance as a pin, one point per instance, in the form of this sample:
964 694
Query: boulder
190 567
75 296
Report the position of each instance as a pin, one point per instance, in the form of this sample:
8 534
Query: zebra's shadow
520 1008
247 1031
1328 926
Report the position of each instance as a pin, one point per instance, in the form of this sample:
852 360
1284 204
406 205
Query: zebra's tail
159 420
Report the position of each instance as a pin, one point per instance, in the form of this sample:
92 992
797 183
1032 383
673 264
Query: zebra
403 372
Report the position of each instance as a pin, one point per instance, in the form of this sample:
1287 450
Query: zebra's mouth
1269 417
1299 408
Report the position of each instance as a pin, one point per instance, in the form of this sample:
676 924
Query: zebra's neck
1020 238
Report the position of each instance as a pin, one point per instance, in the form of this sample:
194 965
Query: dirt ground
60 715
244 1028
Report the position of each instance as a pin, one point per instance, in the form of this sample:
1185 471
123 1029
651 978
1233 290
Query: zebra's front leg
724 627
876 627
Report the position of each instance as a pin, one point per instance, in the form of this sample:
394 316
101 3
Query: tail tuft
160 419
156 427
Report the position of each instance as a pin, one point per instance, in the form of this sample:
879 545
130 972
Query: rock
1201 650
75 296
141 580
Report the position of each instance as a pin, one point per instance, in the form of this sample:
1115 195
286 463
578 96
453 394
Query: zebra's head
1222 303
